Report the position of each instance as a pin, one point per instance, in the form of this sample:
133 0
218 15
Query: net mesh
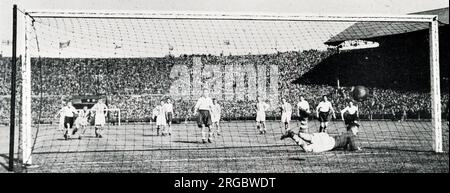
135 63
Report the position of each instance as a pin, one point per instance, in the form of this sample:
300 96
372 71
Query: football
360 93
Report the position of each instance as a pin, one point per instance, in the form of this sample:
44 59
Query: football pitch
388 146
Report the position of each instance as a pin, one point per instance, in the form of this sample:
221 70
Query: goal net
140 61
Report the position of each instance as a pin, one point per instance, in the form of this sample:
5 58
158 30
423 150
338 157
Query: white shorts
100 120
215 118
260 116
161 120
61 122
285 117
81 121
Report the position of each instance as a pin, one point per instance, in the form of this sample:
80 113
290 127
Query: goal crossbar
229 16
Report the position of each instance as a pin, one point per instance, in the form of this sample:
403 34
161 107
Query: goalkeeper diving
320 142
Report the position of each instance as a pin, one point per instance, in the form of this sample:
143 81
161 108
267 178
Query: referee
203 107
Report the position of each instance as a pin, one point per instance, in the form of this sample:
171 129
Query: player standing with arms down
203 107
99 121
261 108
303 112
155 112
352 113
159 113
323 112
215 115
286 113
168 107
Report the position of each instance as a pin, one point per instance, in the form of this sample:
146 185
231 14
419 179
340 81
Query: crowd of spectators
135 85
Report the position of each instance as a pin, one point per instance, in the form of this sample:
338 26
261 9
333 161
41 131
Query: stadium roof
368 30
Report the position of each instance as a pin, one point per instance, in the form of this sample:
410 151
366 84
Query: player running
261 108
82 121
320 142
168 108
203 107
350 114
323 113
99 121
286 113
303 112
215 115
68 112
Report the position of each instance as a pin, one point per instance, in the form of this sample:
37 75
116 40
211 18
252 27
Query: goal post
435 85
107 51
26 95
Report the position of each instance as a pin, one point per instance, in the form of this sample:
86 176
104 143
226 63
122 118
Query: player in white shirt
68 112
155 112
261 108
82 121
286 113
323 111
350 113
61 117
320 142
303 112
215 115
160 116
203 107
168 107
99 121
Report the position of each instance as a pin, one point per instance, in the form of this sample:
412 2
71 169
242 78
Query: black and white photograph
224 87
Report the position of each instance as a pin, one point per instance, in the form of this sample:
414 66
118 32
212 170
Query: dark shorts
169 117
204 118
68 120
345 142
324 116
348 118
303 115
302 128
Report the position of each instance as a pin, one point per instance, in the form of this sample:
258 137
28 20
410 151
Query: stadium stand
132 90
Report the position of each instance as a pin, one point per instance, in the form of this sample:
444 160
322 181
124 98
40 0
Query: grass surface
387 147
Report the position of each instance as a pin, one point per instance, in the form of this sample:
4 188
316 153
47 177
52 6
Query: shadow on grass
87 137
62 139
297 159
189 142
393 149
150 135
4 163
